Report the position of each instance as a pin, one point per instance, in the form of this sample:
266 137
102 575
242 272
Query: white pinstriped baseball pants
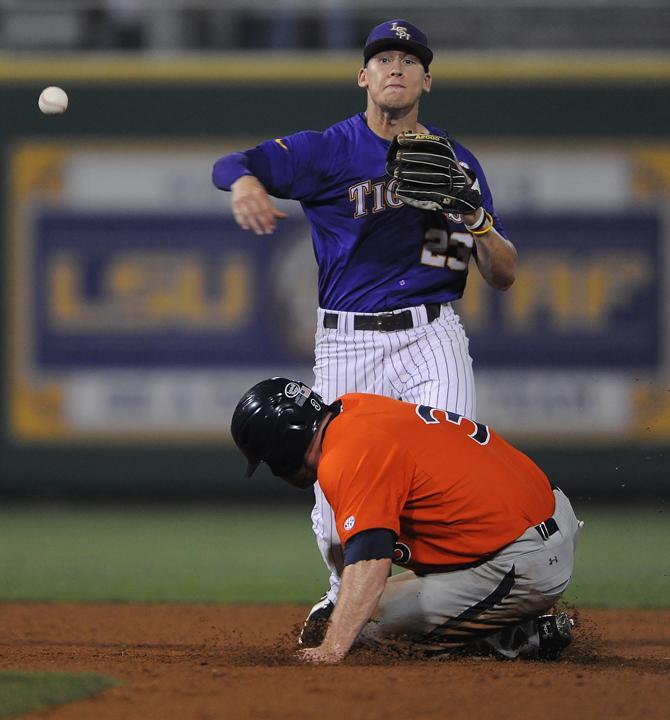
428 364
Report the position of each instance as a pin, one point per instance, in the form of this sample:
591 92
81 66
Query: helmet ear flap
287 443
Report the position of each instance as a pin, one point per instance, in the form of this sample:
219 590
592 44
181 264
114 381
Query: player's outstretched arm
495 256
252 207
362 585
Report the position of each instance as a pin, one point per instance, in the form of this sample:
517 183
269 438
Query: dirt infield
205 662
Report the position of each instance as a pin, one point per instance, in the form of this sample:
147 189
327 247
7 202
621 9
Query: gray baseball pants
447 610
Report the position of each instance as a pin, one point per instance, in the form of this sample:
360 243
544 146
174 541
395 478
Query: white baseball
53 100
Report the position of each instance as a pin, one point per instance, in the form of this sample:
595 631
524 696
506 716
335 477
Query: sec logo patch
349 522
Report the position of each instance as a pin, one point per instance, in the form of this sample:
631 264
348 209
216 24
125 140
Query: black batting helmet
274 422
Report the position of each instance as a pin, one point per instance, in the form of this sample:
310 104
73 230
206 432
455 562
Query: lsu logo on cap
400 31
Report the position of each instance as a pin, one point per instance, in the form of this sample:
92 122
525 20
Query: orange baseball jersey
451 490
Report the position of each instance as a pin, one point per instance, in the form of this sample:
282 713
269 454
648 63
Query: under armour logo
553 560
400 31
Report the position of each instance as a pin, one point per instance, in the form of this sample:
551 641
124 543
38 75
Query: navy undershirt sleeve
231 167
374 544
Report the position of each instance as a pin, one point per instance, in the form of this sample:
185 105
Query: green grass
184 555
247 554
25 692
623 558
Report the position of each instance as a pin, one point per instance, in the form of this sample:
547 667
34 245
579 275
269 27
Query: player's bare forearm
252 207
362 586
496 260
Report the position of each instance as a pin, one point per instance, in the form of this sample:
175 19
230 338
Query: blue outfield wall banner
139 326
157 291
195 291
587 295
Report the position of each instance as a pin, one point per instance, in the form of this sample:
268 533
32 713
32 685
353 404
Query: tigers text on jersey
374 253
451 490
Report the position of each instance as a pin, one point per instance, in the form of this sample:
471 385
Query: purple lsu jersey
374 253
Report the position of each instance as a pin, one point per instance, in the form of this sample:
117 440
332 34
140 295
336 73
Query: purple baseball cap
398 35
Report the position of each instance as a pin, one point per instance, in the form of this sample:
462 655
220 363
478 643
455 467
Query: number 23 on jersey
444 249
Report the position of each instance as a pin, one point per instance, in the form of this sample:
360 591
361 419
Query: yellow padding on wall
294 68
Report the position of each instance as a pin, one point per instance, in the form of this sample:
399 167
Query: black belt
386 322
547 528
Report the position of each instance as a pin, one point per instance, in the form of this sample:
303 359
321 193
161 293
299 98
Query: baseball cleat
555 635
316 622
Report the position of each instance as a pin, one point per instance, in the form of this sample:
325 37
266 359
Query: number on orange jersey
481 433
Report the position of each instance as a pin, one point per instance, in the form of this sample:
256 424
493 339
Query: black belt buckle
384 322
388 321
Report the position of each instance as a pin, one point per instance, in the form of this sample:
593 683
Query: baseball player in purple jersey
389 267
